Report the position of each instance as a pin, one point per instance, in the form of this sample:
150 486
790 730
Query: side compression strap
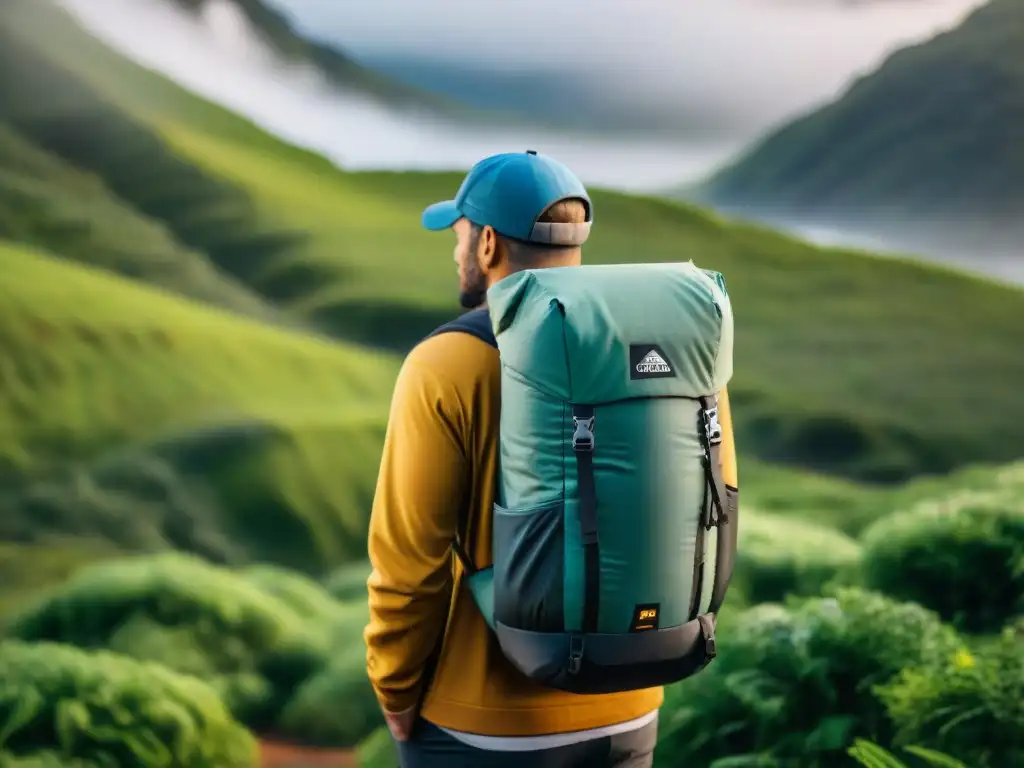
583 446
711 437
722 513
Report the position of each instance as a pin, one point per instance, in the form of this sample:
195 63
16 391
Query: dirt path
276 754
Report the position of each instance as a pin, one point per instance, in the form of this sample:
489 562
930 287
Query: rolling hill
847 363
927 148
135 421
200 327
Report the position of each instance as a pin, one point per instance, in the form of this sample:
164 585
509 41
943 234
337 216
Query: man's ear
488 255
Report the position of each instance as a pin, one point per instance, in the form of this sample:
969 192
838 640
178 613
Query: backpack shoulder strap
476 322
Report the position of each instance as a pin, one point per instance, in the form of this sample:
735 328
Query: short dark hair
524 255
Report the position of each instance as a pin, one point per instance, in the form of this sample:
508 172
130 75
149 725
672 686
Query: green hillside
141 420
932 137
846 363
50 204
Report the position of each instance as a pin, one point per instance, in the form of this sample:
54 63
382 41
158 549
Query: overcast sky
755 61
741 68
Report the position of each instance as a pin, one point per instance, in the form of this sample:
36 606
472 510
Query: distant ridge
931 141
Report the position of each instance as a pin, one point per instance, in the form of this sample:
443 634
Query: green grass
27 570
141 392
822 378
47 203
248 440
844 362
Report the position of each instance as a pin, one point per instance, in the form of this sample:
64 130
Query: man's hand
401 724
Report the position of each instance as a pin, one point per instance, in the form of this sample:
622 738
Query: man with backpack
530 617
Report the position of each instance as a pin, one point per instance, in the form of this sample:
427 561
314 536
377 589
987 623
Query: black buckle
707 626
575 654
583 437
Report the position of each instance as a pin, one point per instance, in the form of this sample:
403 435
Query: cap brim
440 215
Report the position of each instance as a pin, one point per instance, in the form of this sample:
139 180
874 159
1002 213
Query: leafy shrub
971 706
782 556
793 686
335 708
191 617
62 706
349 581
304 595
963 558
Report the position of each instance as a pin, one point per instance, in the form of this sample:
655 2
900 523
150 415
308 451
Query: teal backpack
614 535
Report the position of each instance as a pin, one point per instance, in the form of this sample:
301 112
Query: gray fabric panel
553 233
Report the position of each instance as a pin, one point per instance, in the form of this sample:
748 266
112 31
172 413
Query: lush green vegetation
795 683
824 381
264 641
198 328
63 706
929 139
148 421
940 552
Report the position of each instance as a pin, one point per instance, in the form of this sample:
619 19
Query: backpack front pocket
529 566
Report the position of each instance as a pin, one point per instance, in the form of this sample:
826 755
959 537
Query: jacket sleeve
730 475
422 482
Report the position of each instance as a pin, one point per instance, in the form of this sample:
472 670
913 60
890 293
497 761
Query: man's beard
473 291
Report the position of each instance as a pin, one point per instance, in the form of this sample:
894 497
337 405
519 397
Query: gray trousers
431 747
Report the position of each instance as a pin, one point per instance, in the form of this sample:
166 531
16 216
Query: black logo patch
648 361
645 617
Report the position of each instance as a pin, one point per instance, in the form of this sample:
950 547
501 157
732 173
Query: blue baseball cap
510 192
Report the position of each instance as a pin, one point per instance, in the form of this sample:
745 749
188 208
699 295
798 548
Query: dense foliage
962 556
252 646
795 685
970 705
104 710
787 556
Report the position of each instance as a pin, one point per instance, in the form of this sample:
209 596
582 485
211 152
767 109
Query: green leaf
871 755
937 759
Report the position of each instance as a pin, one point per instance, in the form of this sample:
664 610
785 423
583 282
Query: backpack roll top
613 534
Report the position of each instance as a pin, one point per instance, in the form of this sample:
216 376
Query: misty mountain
927 148
579 103
702 71
278 31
